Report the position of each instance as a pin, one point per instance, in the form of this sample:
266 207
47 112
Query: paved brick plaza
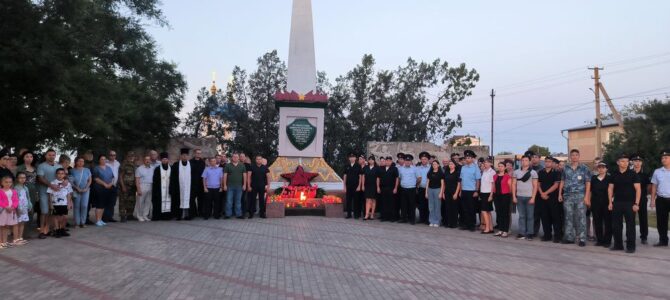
315 257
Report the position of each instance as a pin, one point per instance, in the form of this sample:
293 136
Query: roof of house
605 123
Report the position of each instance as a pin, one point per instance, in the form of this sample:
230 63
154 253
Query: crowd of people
147 188
566 199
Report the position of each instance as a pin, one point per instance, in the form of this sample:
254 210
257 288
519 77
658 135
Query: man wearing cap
422 202
575 181
535 163
547 200
4 163
182 185
388 188
645 185
624 194
660 197
352 184
160 198
470 181
410 178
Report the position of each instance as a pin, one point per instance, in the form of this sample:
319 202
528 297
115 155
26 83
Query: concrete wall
585 141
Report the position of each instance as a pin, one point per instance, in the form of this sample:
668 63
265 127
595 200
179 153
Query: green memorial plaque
301 133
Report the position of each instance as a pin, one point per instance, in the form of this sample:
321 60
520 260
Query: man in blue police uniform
409 180
575 181
470 181
660 197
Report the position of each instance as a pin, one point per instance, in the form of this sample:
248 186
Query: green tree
542 151
646 132
85 74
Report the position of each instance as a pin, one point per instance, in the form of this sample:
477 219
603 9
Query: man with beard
160 198
182 185
197 167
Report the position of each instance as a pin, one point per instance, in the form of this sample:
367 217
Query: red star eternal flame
299 177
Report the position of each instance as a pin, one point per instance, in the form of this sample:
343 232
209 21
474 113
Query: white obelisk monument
301 107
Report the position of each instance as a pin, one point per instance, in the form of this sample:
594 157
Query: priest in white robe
182 185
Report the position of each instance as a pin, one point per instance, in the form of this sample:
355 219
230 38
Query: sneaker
529 238
99 224
521 238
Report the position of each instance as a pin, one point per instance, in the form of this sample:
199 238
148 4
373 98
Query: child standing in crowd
9 201
25 206
60 202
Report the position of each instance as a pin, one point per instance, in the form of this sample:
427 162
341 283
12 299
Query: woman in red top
501 192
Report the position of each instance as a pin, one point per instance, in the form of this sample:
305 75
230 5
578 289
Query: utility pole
493 95
596 91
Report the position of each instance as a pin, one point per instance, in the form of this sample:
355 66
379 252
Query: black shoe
557 240
616 248
582 243
607 245
226 217
89 222
56 234
630 250
567 242
643 241
518 236
598 244
263 217
348 217
529 237
546 238
64 233
110 221
124 219
402 221
251 216
241 217
661 244
42 236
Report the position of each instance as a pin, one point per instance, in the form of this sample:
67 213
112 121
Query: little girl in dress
9 201
25 206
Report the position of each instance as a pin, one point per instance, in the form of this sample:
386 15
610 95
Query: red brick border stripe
190 269
93 292
321 265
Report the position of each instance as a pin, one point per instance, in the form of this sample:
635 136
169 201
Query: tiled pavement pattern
316 257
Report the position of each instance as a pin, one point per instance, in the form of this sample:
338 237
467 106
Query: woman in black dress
602 217
371 173
452 186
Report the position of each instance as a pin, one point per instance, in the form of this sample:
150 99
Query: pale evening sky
534 53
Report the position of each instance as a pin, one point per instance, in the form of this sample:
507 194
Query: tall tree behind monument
85 74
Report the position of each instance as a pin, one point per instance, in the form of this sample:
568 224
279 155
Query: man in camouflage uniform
574 192
128 190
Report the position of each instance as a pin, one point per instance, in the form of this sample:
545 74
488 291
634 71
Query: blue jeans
234 193
526 212
80 207
434 206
